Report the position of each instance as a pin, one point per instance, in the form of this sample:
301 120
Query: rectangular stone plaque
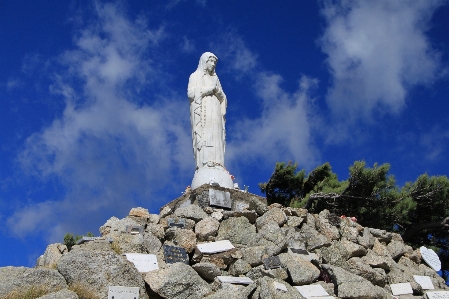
134 229
143 262
314 290
215 247
180 222
280 286
123 293
174 254
299 251
220 198
235 280
438 295
424 281
401 288
272 262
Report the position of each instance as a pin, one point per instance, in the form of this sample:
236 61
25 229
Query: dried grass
83 291
32 293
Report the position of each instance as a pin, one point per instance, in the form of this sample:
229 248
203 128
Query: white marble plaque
431 258
220 198
235 280
438 295
215 247
123 293
401 288
424 281
280 286
143 262
314 290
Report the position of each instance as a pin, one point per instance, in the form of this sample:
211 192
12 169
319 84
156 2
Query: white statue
207 117
207 113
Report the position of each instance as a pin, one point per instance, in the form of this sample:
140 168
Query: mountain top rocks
273 248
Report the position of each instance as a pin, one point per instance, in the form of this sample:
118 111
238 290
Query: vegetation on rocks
418 210
32 293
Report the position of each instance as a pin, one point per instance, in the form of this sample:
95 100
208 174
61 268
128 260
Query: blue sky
94 116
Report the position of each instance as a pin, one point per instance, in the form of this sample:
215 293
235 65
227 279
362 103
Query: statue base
210 175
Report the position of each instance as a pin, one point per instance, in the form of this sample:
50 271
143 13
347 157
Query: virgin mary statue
207 117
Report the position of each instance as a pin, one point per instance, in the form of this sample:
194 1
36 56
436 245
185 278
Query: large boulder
177 281
301 272
271 236
21 279
97 270
238 230
274 214
193 212
51 255
207 227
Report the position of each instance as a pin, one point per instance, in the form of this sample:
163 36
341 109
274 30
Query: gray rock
380 249
340 251
206 227
253 255
151 243
193 212
96 270
165 212
260 271
181 237
380 234
127 243
62 294
366 239
312 238
238 230
272 237
154 218
352 286
324 227
268 290
374 260
96 245
375 276
208 271
51 256
257 206
156 229
300 271
230 291
295 221
114 227
348 230
176 282
239 267
18 279
396 249
400 274
274 214
251 215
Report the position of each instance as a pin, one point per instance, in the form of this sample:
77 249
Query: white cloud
377 50
187 45
108 149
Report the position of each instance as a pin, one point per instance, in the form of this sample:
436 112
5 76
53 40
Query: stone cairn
236 248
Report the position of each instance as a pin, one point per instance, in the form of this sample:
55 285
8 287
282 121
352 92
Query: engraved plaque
220 198
143 262
233 279
424 281
86 239
314 290
215 247
180 222
272 262
438 295
174 254
401 288
134 229
117 292
431 258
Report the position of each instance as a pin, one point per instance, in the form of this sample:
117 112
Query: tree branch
409 233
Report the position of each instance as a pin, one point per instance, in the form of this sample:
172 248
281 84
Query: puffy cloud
109 149
377 51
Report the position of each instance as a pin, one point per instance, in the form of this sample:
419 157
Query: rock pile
275 249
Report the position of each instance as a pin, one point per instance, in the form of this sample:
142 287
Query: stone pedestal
215 174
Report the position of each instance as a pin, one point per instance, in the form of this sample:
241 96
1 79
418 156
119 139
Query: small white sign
214 247
431 258
424 281
280 286
123 293
235 280
438 295
401 288
314 290
143 262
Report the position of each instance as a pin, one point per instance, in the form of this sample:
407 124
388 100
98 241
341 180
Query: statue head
203 65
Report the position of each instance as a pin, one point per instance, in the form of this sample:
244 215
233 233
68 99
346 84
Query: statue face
211 63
